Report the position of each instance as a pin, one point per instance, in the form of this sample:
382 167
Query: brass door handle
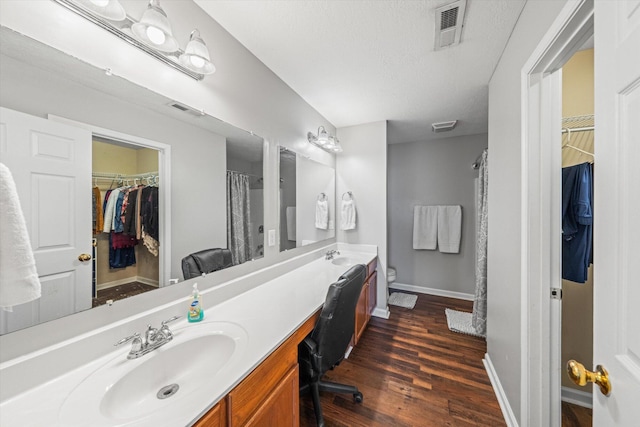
581 376
84 257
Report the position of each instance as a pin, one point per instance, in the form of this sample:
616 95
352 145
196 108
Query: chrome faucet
329 255
153 338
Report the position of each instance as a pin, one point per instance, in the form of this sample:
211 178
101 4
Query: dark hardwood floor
412 371
575 416
120 292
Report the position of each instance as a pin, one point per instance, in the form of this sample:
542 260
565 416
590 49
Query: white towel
425 227
449 228
322 214
348 219
291 223
19 282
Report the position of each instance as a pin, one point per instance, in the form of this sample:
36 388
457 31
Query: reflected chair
205 262
325 347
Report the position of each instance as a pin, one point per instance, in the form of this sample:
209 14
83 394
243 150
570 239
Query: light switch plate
272 237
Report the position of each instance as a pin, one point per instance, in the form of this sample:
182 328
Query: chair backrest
205 262
336 324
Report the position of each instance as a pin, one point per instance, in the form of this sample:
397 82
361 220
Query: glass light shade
107 9
333 145
196 55
154 29
323 137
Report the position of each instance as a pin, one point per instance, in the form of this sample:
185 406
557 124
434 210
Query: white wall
433 173
505 133
362 169
198 216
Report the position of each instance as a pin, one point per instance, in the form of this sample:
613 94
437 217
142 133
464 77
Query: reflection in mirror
37 80
307 200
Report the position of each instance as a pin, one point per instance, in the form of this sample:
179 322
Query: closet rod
244 173
122 175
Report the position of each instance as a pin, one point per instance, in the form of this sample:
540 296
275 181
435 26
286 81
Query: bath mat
403 300
460 321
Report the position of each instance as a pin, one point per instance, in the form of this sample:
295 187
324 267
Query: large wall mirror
216 176
306 199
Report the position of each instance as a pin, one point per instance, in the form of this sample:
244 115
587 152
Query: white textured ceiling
361 61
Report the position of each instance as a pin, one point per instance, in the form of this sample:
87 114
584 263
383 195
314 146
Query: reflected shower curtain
479 317
238 215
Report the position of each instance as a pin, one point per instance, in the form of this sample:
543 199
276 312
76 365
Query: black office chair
205 262
326 345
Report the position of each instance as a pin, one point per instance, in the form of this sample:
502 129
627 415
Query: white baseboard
381 312
577 397
119 282
507 412
431 291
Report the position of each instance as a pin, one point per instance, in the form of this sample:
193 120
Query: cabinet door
281 406
216 417
361 311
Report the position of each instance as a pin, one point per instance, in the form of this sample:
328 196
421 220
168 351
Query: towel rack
349 195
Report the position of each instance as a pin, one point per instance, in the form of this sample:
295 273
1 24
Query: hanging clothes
577 221
98 223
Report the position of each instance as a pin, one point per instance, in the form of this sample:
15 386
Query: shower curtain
238 215
479 316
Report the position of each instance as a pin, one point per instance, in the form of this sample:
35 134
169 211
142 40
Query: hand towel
348 221
291 223
322 214
425 227
449 229
19 282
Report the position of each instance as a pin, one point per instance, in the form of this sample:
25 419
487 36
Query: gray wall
505 192
433 173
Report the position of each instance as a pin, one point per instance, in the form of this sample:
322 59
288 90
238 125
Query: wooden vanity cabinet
268 396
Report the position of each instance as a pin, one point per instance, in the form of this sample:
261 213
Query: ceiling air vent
443 126
186 109
449 20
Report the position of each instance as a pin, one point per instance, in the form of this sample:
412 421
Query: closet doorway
125 219
577 288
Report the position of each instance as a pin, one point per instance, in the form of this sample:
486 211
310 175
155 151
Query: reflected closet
125 237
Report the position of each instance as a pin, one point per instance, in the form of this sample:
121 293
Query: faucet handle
127 339
164 322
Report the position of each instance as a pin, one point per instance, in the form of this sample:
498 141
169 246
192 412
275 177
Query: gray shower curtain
238 214
479 317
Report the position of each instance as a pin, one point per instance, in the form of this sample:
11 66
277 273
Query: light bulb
196 61
101 3
156 35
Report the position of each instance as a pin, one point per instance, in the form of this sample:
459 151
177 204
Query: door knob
581 376
84 257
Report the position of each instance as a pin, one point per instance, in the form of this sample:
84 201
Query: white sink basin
179 377
343 261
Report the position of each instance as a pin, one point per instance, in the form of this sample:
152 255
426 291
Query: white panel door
617 210
51 165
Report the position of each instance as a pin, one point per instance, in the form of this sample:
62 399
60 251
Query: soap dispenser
196 312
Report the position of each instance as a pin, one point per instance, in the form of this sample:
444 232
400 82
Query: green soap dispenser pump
196 312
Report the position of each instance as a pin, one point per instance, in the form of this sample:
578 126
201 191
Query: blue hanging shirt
577 221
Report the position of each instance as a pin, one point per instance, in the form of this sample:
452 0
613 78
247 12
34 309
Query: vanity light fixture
325 141
152 34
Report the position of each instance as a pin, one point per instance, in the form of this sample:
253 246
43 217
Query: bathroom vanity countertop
269 314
